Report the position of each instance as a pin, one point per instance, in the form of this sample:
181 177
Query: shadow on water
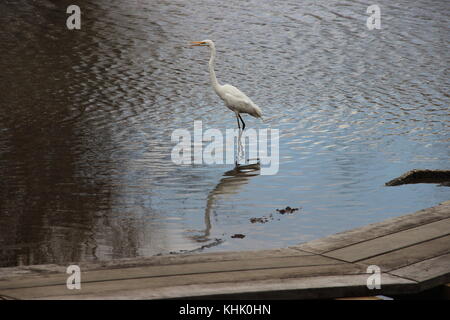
56 163
48 206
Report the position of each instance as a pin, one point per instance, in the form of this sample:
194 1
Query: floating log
422 176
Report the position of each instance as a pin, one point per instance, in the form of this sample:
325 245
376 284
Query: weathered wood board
412 251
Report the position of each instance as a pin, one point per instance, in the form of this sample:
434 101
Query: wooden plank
412 251
375 230
409 255
184 258
169 270
38 270
173 259
323 287
233 278
430 273
290 288
392 242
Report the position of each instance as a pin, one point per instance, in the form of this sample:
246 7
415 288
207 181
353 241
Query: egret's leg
240 149
243 123
237 118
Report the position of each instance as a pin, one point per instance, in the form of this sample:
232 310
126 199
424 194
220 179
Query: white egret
234 98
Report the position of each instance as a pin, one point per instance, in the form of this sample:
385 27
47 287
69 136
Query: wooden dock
412 251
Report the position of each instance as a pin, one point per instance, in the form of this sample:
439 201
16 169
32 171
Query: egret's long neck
212 73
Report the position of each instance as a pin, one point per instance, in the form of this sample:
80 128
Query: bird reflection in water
227 187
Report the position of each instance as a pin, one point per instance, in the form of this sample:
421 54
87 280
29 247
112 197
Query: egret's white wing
235 92
236 100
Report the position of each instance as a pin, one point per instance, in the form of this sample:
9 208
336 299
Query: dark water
87 115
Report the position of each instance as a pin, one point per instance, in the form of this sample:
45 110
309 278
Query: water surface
87 117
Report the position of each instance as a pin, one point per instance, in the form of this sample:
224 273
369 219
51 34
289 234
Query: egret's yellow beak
197 43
